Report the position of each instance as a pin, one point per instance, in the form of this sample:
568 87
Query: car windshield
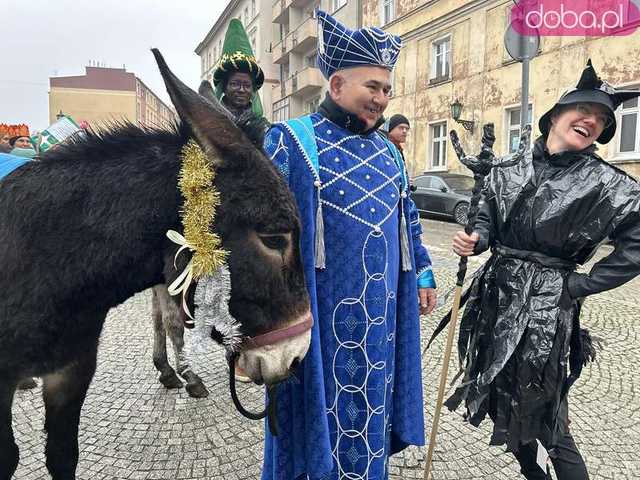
460 183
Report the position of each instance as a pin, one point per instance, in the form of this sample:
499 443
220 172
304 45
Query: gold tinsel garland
198 213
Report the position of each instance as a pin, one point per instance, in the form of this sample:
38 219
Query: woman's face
22 142
577 126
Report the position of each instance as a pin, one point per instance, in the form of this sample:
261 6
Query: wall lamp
456 110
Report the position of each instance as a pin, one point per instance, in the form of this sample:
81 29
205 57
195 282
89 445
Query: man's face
4 139
22 142
577 126
239 90
399 133
363 91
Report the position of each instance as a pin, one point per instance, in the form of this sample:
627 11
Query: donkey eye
274 242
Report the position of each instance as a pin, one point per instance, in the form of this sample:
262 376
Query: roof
98 78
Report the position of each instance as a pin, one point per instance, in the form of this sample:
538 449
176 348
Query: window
629 141
310 60
392 80
438 146
202 66
387 11
440 59
513 130
336 4
246 16
281 110
422 182
252 36
253 8
312 105
438 184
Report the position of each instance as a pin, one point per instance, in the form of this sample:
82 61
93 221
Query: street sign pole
522 48
524 102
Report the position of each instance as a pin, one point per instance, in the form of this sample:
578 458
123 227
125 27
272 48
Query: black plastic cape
541 218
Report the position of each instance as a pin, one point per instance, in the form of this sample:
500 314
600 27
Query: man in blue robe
357 396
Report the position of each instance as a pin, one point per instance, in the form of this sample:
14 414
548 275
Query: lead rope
271 407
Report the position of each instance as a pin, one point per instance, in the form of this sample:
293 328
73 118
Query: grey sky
43 38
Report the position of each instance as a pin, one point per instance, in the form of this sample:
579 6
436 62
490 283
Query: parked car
446 194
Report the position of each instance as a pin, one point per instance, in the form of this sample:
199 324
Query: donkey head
259 226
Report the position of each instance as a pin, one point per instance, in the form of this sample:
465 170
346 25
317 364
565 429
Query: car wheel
460 213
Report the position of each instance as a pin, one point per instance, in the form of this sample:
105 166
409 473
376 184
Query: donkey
83 229
168 321
167 318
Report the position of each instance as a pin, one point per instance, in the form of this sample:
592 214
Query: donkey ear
206 90
211 124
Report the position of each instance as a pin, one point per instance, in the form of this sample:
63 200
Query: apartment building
301 86
454 50
255 16
103 95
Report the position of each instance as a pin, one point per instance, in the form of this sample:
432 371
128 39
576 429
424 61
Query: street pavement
133 428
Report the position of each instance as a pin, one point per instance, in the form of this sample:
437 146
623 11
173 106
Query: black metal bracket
467 124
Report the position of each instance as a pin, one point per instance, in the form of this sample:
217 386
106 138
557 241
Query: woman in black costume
520 337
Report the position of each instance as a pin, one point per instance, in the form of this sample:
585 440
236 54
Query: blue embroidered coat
358 395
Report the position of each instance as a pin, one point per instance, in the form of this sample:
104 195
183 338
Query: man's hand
464 244
428 300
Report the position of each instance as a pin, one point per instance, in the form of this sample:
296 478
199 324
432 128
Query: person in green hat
237 79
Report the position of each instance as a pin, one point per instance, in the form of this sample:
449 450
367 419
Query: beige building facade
301 86
255 16
454 49
106 95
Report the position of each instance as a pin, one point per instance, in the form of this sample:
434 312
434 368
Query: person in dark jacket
542 218
398 130
237 79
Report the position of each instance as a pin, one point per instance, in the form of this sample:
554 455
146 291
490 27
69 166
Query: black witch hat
592 89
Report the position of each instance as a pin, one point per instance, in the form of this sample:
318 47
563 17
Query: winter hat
398 119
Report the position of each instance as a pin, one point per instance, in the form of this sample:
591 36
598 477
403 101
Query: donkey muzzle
270 358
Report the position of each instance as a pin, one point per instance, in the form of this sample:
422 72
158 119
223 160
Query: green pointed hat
237 56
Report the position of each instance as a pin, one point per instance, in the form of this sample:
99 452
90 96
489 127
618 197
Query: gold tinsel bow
198 212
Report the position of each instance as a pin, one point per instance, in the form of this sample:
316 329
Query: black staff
481 166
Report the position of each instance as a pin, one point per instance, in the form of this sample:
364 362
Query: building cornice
222 20
442 21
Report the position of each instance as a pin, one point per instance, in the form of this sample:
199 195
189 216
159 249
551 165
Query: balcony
304 37
281 49
281 11
280 91
305 81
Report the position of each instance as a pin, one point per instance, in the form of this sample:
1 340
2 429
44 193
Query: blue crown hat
340 48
